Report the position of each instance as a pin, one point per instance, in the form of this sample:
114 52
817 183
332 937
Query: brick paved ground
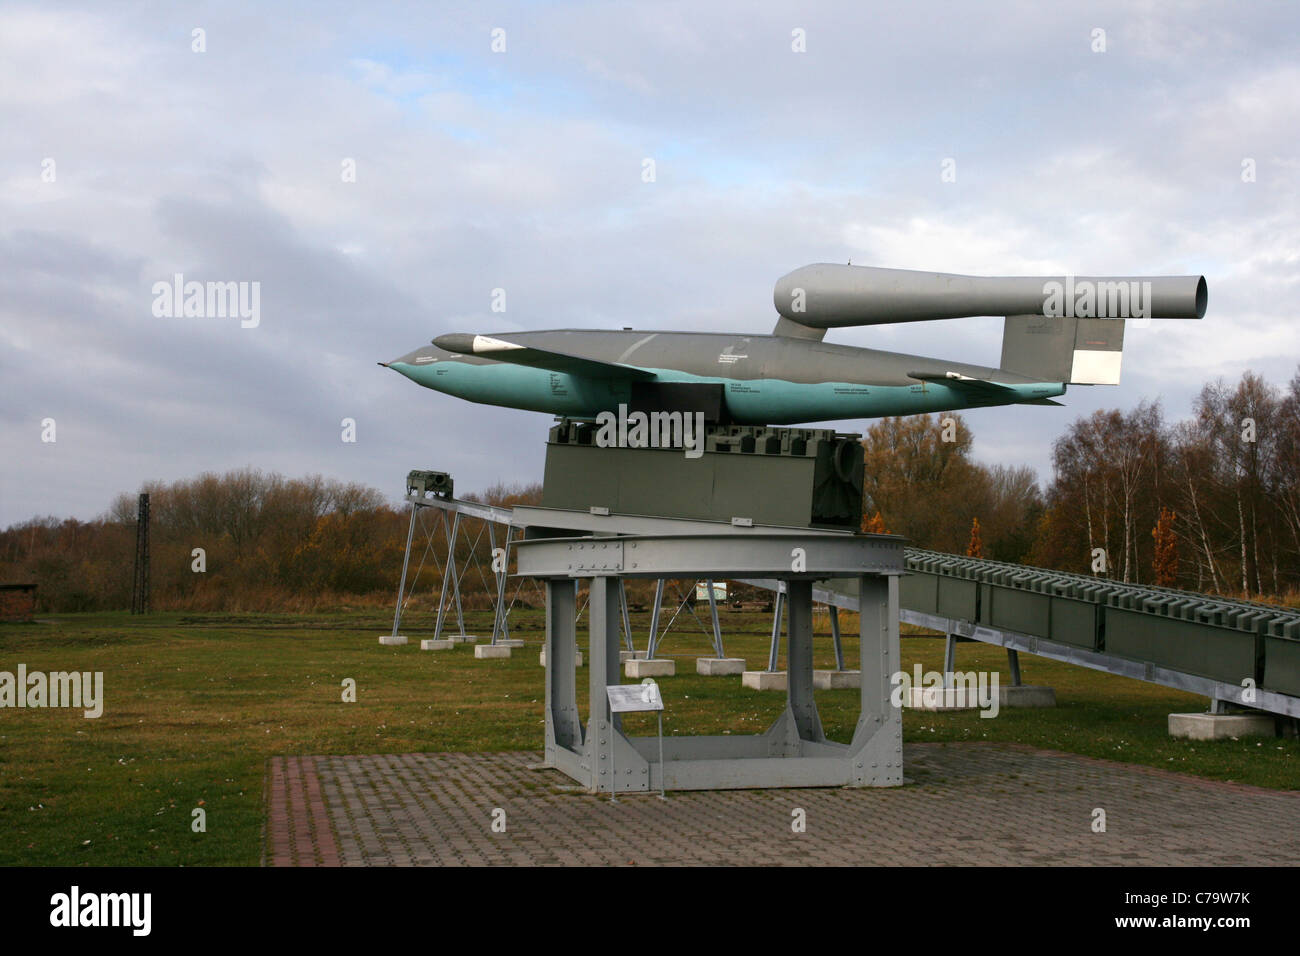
298 831
967 804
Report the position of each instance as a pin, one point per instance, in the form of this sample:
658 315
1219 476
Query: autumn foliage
1165 560
874 525
268 542
975 548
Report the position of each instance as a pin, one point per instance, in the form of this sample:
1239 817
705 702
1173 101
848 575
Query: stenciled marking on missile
730 355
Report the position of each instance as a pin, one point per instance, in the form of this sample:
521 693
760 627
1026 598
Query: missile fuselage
1057 331
766 379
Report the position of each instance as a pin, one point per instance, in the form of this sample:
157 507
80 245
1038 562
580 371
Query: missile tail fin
1063 349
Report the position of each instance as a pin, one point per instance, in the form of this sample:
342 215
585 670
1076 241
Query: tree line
245 540
1209 503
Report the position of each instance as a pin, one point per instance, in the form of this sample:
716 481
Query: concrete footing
510 642
764 680
1221 726
835 680
541 658
460 639
719 666
438 645
942 698
658 667
625 656
491 651
1026 695
389 641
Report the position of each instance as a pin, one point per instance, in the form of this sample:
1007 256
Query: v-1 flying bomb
1058 331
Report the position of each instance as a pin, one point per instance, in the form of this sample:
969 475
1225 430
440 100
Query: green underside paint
751 401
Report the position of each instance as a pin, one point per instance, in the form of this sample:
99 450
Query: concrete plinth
1026 695
657 667
835 680
510 642
390 641
764 680
490 651
460 639
719 666
942 698
1221 726
541 658
625 656
439 645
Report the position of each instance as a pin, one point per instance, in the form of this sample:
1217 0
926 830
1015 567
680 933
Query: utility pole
140 587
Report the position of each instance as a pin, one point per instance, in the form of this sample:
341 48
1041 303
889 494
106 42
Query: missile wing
502 350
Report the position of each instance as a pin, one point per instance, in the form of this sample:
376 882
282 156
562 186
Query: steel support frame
793 752
528 516
451 574
718 649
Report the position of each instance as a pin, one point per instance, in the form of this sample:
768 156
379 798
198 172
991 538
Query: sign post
636 698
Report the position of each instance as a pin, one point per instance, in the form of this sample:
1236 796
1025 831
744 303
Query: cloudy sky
127 156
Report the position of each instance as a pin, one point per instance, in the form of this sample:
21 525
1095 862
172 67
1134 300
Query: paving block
1026 695
541 658
652 667
1221 726
719 666
490 651
835 680
438 645
391 641
764 680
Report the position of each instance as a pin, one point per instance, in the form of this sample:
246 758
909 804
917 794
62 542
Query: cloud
521 170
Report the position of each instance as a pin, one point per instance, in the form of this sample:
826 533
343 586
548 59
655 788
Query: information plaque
634 699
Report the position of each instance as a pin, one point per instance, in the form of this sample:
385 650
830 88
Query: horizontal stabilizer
501 350
963 383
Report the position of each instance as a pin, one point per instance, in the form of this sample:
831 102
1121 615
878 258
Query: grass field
195 704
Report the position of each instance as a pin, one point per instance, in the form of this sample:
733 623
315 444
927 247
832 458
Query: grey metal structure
793 751
1193 642
835 295
1234 652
